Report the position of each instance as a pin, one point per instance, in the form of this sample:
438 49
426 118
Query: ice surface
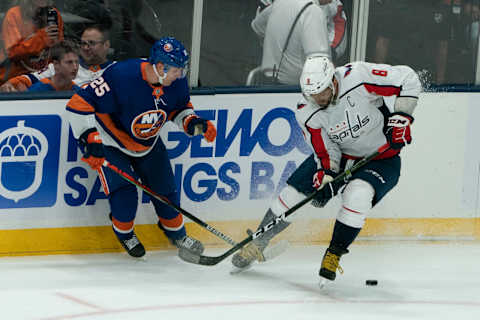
417 280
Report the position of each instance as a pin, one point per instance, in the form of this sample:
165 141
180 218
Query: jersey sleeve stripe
143 65
385 91
79 105
319 146
120 136
339 27
175 113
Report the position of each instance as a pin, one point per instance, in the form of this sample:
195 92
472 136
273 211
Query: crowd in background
438 38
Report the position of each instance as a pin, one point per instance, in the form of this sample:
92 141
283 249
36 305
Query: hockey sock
123 203
170 221
343 235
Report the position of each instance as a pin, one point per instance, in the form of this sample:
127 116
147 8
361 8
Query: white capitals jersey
353 127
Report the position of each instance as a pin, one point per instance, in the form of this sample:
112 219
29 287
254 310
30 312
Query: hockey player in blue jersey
118 117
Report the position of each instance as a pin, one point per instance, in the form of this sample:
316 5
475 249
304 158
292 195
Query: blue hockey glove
195 125
92 143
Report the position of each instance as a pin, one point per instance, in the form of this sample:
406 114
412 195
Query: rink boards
52 203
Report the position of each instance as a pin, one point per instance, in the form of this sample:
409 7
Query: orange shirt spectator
27 38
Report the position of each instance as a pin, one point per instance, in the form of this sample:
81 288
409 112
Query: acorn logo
22 153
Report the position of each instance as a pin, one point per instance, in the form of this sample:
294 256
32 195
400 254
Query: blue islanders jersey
126 109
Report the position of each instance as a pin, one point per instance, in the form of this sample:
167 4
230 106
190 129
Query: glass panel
131 26
436 37
134 24
233 47
229 49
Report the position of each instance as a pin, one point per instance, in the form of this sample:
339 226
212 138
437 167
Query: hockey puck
371 282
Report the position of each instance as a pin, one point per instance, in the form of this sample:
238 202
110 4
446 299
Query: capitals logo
148 124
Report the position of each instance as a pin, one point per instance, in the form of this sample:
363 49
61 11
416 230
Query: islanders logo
148 124
29 152
168 47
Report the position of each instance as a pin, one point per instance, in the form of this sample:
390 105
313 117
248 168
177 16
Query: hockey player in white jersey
344 117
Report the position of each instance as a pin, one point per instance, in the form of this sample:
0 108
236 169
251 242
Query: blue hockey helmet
169 51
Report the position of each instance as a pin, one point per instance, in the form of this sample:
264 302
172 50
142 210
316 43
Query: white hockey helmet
317 75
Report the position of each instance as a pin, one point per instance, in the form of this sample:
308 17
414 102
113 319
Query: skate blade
275 250
141 259
323 283
237 270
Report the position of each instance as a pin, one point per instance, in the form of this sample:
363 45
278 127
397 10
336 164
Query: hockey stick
167 202
269 254
210 261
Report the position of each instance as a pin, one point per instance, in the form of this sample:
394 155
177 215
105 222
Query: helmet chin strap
160 78
333 100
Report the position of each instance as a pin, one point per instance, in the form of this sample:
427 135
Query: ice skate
133 246
189 244
254 250
251 252
331 263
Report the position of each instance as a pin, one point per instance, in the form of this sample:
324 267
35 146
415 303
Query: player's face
173 74
67 66
323 98
326 97
93 47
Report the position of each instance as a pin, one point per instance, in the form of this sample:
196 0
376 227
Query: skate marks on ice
414 282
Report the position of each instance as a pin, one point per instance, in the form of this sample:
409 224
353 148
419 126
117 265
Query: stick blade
191 257
188 256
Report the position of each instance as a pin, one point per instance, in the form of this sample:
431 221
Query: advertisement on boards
45 184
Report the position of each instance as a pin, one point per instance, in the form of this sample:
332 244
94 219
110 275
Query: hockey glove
92 143
194 125
398 130
327 189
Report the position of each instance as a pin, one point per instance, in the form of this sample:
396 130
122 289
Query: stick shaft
209 261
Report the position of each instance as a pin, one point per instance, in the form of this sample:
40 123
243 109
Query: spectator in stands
419 39
65 61
293 30
27 37
95 11
94 48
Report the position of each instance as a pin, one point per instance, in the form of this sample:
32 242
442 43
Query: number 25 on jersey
100 86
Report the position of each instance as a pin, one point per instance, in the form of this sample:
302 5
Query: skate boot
249 253
188 243
254 250
133 246
330 263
